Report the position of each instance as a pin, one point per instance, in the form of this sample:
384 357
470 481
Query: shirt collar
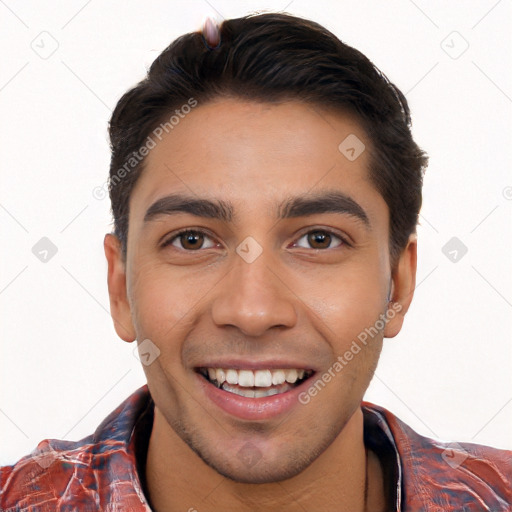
379 438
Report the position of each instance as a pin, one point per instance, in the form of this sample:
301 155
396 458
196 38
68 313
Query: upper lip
240 364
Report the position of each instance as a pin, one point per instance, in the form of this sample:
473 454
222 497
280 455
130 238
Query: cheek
162 303
346 302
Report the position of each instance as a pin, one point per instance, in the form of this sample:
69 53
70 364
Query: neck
178 479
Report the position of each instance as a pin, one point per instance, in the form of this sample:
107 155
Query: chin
261 473
256 463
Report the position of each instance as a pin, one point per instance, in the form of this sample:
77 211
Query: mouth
260 383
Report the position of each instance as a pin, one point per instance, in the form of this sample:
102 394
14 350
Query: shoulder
449 476
80 475
55 469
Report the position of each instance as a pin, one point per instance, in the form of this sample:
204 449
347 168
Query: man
265 190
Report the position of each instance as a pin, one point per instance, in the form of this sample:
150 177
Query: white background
63 368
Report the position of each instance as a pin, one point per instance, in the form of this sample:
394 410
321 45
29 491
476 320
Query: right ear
116 279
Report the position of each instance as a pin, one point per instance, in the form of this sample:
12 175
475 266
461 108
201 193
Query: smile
255 383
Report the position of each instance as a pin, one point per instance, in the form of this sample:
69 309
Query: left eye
190 240
319 237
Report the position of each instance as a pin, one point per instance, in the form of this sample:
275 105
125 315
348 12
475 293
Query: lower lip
245 408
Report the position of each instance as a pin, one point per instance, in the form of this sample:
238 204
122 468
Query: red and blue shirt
105 471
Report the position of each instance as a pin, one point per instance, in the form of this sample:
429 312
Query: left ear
404 283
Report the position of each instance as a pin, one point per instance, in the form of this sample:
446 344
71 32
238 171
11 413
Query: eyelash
175 236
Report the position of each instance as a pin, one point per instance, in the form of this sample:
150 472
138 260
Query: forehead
254 154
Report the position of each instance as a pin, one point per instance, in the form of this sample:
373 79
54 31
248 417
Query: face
268 271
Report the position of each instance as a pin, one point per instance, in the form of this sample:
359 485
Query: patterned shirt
104 471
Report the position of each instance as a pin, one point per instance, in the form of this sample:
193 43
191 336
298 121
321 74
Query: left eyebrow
323 202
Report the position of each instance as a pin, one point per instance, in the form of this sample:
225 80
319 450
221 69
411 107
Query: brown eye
319 239
190 240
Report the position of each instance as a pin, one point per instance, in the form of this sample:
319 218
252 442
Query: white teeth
246 378
256 378
220 376
278 377
262 378
260 393
232 376
251 393
291 376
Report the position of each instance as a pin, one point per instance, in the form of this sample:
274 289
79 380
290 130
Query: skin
299 299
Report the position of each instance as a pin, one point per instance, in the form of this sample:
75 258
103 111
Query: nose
254 298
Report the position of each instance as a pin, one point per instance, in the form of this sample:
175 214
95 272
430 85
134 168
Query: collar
379 438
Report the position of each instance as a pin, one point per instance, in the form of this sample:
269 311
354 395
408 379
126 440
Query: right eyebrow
179 203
